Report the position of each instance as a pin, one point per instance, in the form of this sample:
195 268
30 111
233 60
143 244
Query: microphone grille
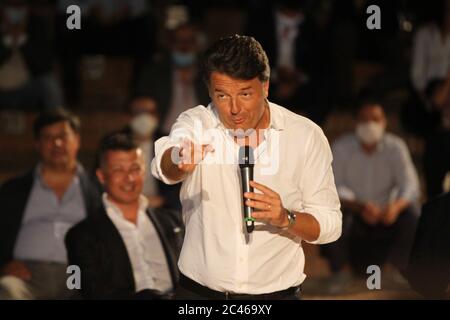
246 158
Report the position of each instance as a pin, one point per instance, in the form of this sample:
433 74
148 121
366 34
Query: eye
136 169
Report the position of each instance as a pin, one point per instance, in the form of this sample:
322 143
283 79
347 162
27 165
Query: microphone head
246 157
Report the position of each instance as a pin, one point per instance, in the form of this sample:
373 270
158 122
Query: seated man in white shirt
379 189
125 250
295 198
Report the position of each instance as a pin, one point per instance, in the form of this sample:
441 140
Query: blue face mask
183 59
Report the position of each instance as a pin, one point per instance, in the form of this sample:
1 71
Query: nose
58 142
129 176
234 108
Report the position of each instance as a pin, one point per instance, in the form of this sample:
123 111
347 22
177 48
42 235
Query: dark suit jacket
14 195
37 51
428 271
262 26
95 245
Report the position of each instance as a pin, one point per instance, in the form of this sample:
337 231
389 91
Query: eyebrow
241 89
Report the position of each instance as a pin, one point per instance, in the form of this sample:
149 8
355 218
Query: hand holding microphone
268 203
246 164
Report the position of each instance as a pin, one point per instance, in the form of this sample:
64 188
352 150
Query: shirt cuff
330 223
161 146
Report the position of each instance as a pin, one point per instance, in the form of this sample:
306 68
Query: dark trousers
188 289
362 245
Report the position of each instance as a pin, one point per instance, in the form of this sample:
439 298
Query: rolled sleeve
320 198
161 145
182 129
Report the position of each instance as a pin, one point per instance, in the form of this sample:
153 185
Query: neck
68 168
369 148
128 210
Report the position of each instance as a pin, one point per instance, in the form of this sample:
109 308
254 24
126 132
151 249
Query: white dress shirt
430 56
294 160
146 253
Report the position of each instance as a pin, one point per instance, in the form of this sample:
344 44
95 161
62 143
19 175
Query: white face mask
144 125
369 132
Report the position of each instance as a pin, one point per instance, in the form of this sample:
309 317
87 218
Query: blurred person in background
173 80
379 189
26 60
437 138
431 47
125 28
39 207
143 126
427 116
297 45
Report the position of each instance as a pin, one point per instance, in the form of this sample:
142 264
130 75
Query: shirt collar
283 20
111 207
276 118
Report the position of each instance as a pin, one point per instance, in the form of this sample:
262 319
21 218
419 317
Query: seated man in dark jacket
39 207
125 250
428 271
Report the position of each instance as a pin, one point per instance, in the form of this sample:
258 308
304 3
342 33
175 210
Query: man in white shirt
379 191
295 197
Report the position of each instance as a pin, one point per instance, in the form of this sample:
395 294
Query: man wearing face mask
143 128
172 81
379 189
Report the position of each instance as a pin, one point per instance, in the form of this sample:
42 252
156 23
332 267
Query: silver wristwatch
291 215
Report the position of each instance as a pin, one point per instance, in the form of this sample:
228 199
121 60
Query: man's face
122 175
185 40
372 113
58 144
240 103
143 105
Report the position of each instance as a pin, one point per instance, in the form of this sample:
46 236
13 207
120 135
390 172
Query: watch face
291 217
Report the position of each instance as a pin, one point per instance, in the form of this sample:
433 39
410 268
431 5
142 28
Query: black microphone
246 164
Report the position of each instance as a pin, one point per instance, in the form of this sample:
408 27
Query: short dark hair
240 57
368 97
52 116
115 141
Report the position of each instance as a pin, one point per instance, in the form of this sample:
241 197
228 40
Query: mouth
57 154
238 120
127 188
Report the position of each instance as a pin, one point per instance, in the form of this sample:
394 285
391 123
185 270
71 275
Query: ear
78 139
100 176
266 89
